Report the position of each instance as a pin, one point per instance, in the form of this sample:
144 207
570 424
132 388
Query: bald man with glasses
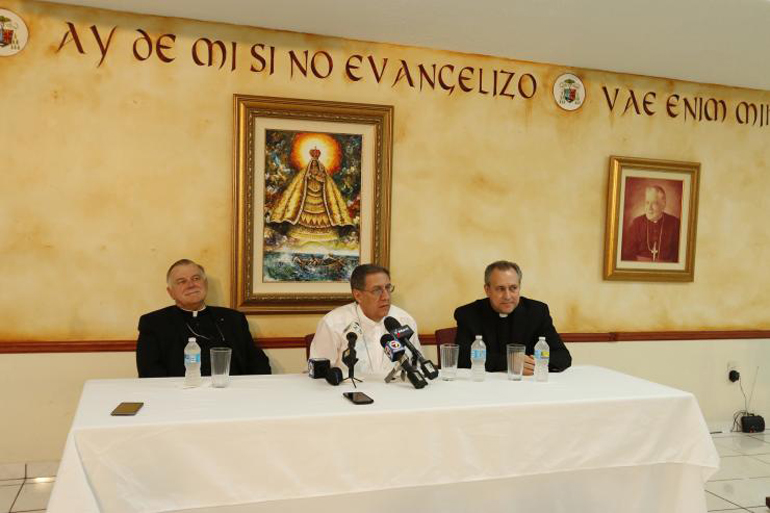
371 288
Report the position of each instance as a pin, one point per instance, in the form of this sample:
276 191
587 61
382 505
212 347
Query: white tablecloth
589 440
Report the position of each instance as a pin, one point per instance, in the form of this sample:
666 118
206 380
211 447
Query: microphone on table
396 352
403 333
318 368
334 376
321 368
351 334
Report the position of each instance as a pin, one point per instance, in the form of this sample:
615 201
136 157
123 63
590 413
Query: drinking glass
515 354
220 366
449 355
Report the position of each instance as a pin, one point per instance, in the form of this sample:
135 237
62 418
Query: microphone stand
414 366
349 359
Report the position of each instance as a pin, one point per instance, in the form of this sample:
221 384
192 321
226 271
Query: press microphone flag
318 367
392 347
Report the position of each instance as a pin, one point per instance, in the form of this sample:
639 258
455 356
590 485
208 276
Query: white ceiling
712 41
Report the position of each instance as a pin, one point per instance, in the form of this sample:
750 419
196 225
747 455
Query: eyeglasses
379 291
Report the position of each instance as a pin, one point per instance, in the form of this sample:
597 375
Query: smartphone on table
124 409
358 397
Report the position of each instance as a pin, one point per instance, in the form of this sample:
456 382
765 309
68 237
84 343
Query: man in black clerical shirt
505 317
163 334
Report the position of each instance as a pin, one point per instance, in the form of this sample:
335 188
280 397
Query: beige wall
110 173
113 172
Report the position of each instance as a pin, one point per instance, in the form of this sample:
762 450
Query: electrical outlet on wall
732 371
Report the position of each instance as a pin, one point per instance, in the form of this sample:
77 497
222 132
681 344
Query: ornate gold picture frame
652 214
312 185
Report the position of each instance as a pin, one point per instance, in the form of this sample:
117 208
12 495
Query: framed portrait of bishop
652 212
312 200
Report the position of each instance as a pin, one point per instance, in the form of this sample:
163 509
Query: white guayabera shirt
329 341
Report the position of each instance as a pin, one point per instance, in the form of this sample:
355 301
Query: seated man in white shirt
372 290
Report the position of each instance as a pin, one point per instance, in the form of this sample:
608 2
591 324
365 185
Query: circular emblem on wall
13 33
569 92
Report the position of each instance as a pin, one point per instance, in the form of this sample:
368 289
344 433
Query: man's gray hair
501 265
184 261
358 277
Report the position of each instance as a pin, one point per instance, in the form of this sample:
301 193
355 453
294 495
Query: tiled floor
743 480
741 484
26 487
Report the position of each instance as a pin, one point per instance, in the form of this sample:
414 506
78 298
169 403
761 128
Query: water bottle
542 354
192 363
478 359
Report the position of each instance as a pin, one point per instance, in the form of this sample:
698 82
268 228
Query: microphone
334 376
318 368
396 353
403 333
351 333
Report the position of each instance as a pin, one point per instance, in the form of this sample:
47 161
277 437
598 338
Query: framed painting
312 191
652 214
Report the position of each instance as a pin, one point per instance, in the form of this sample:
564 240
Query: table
589 440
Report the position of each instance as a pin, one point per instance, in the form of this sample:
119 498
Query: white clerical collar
193 312
502 315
